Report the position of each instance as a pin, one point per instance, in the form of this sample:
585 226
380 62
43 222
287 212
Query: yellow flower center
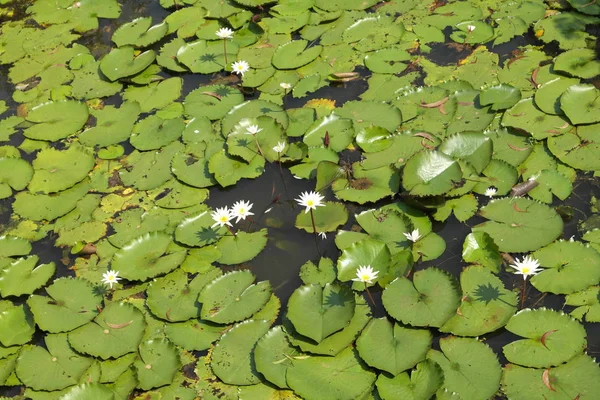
364 277
310 203
223 219
525 270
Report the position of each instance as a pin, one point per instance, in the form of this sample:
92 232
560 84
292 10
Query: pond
301 199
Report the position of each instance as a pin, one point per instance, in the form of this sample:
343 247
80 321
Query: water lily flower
110 278
413 236
323 235
221 216
490 192
253 130
365 274
310 200
279 148
526 267
471 28
285 85
239 67
224 33
241 210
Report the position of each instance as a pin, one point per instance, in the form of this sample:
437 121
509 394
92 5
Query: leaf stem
523 293
225 51
369 294
312 218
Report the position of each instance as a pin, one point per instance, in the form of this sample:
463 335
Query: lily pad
423 382
11 246
144 257
232 358
212 101
295 54
242 247
273 356
342 377
367 252
581 104
24 276
116 331
70 304
113 125
327 218
16 324
520 224
153 132
479 248
587 302
316 312
56 120
339 130
526 116
122 62
392 348
197 230
552 338
581 63
486 305
470 367
155 95
578 148
500 97
15 174
139 33
204 56
430 173
56 170
233 297
38 207
157 364
430 299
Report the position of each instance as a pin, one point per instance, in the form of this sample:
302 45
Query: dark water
289 248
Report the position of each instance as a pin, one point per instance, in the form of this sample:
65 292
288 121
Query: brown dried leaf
119 326
546 379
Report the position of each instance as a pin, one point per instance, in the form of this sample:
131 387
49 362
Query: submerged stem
312 218
369 294
523 293
225 51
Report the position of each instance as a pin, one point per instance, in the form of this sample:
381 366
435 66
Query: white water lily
310 200
239 67
224 33
526 267
241 210
471 28
285 85
490 192
323 235
365 274
110 278
221 216
253 130
279 148
413 236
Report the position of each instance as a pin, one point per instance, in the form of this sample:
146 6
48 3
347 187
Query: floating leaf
391 347
581 63
56 120
153 132
232 357
242 247
233 297
520 224
194 334
22 276
122 62
113 125
155 95
470 367
15 174
273 356
486 305
578 148
341 377
327 218
294 54
139 33
16 324
552 338
116 331
422 383
212 101
56 170
71 303
367 252
479 248
429 300
320 274
587 302
38 207
581 104
317 312
158 363
568 267
526 116
500 97
430 173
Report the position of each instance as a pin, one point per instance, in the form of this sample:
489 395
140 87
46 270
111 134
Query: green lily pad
242 247
139 33
578 377
212 101
321 274
547 97
11 246
520 224
363 185
149 170
116 331
56 170
38 207
587 302
113 125
367 252
132 223
430 173
500 97
486 305
327 218
475 148
194 334
253 109
233 297
316 312
206 56
144 257
568 267
423 382
470 367
566 28
56 120
92 391
430 299
463 208
155 95
387 61
157 365
122 62
295 54
581 104
228 170
552 338
526 116
273 356
392 348
581 63
24 276
16 324
71 303
232 358
247 146
340 132
368 113
15 174
578 148
52 369
153 132
342 377
479 248
197 230
87 82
